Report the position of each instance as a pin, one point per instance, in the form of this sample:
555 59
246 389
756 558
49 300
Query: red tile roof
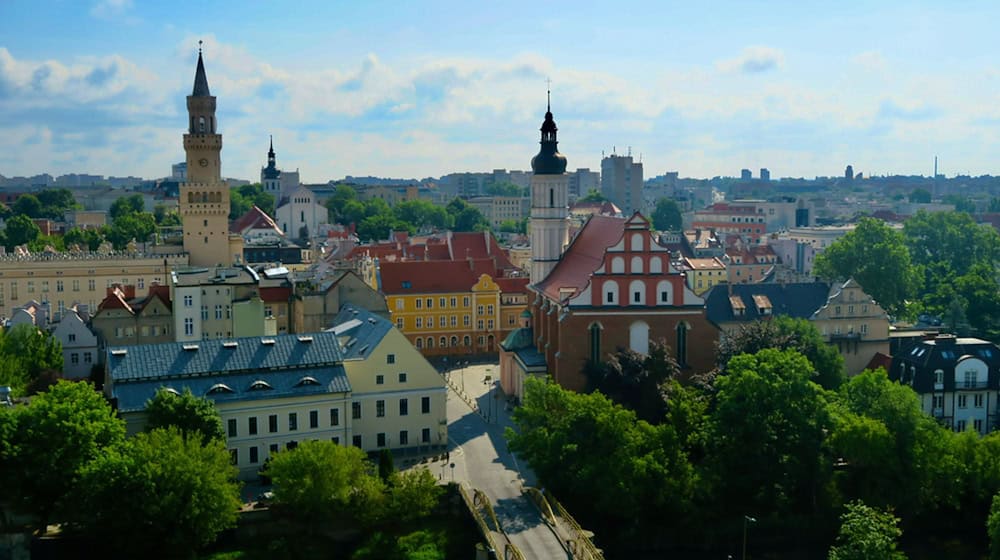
513 285
277 294
583 256
429 277
255 218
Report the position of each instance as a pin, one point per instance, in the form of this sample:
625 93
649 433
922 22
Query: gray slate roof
798 300
358 330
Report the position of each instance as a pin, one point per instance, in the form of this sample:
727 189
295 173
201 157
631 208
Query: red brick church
612 287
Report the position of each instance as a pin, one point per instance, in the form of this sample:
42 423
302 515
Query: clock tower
204 198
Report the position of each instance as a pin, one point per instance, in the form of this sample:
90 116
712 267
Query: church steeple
548 161
549 201
200 79
270 154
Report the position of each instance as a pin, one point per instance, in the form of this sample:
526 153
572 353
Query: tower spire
200 79
548 96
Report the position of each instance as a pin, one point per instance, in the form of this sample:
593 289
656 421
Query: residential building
747 264
855 323
729 307
703 274
79 344
582 181
204 198
621 182
400 398
732 218
315 305
957 380
256 226
123 319
499 209
85 219
217 303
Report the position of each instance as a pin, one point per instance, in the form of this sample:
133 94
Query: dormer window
220 388
938 377
260 385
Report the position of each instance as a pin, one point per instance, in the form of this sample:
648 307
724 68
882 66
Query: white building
299 212
78 342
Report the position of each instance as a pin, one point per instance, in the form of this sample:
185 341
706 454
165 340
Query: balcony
970 385
938 412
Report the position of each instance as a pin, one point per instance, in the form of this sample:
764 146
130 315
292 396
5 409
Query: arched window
682 336
637 292
420 342
466 341
637 242
610 293
638 337
663 292
636 265
618 265
444 342
595 343
219 388
201 125
430 342
260 385
190 198
655 265
454 341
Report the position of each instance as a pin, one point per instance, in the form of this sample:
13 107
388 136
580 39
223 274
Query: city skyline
400 91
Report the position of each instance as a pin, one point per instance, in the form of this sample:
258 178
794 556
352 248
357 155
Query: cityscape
251 307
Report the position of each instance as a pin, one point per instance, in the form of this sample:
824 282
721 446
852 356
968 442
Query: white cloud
753 60
114 10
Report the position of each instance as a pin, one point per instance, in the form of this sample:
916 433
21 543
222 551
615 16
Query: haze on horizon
379 88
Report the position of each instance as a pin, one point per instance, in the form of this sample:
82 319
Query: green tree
245 197
385 467
962 203
25 353
28 205
867 534
377 227
138 226
593 195
465 217
413 495
637 381
159 494
953 238
783 332
335 204
765 435
920 196
877 258
505 189
422 213
50 441
127 205
55 203
190 414
165 217
993 528
21 229
667 216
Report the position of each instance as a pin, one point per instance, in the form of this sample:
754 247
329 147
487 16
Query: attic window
119 352
260 385
172 391
220 388
230 344
190 347
307 380
739 309
267 341
305 339
763 304
406 284
363 349
371 320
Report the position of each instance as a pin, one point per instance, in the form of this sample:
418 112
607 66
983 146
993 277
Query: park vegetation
657 461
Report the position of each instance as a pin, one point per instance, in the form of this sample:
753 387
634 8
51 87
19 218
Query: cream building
853 322
217 303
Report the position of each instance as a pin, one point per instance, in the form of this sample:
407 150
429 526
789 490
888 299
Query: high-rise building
204 198
765 174
582 181
621 182
746 175
549 203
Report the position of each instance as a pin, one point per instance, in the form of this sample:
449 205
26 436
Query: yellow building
702 274
448 308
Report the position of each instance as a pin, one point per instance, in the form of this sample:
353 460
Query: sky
418 89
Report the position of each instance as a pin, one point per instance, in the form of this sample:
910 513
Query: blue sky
407 89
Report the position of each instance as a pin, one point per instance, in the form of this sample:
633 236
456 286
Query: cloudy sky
415 89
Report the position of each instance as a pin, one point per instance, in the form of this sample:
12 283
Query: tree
165 217
160 494
385 466
667 216
466 217
413 494
55 203
190 414
953 238
993 528
877 258
320 479
593 195
785 333
422 213
52 439
245 197
28 205
766 433
126 205
25 353
138 226
504 189
637 381
21 229
867 534
920 196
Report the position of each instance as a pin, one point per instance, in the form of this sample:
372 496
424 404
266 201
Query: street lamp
746 521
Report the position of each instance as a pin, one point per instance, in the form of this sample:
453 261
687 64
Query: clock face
203 162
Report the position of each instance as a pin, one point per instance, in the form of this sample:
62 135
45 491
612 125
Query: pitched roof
359 331
583 256
517 285
799 300
428 277
255 218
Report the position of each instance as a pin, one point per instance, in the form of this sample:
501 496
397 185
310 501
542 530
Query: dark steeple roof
200 80
271 171
549 161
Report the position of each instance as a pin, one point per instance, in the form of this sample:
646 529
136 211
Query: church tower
204 198
549 203
270 176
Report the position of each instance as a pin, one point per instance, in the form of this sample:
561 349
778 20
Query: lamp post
746 521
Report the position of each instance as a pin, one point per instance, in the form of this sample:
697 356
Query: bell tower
204 198
549 202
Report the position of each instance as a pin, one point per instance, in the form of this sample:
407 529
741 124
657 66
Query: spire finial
548 95
271 136
199 47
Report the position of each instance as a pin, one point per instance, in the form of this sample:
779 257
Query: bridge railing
584 547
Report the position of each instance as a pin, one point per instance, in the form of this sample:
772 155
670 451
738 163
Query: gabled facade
125 320
957 379
855 323
298 211
315 306
79 345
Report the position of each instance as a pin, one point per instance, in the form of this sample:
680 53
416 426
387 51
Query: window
595 343
254 455
970 379
379 409
479 310
59 285
430 303
938 376
272 423
466 321
963 401
978 424
454 302
404 407
293 421
252 425
356 410
454 320
420 322
399 323
960 425
489 310
188 300
836 310
442 321
273 448
864 328
313 419
977 401
76 285
334 416
335 440
189 326
425 405
425 435
465 301
466 340
441 303
380 439
402 378
74 358
420 303
232 427
404 437
489 324
479 325
937 402
87 358
379 379
218 312
91 285
390 359
400 305
420 343
204 312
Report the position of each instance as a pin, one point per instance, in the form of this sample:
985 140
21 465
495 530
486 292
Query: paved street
481 458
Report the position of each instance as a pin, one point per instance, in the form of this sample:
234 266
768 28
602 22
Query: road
479 452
